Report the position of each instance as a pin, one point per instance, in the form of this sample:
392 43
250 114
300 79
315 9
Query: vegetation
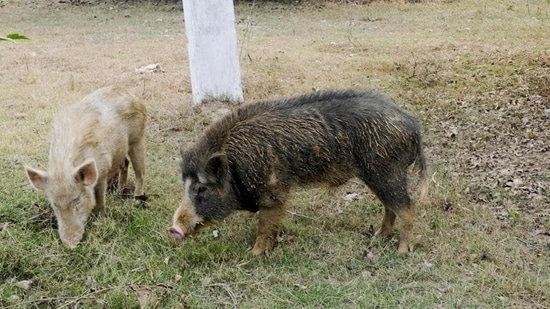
12 37
476 74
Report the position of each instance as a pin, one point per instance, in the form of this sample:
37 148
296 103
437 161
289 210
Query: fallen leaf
151 68
24 284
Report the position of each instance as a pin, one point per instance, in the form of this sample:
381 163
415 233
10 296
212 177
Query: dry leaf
24 284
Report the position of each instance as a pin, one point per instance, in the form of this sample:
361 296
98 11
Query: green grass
477 76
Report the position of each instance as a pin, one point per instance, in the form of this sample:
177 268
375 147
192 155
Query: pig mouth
176 233
70 244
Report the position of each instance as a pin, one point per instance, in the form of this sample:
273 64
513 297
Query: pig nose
71 243
176 233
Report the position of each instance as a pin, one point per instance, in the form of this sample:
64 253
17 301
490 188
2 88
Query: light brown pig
90 143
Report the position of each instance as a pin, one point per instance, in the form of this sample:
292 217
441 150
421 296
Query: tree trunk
212 49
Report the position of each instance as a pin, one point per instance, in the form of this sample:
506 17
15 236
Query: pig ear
217 167
87 173
37 177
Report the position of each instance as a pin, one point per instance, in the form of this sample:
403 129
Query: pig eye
76 202
201 189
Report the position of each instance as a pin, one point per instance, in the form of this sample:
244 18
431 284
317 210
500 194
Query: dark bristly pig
91 141
251 158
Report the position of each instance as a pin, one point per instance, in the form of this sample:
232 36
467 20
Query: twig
73 299
79 298
76 299
415 64
247 32
299 215
350 37
228 290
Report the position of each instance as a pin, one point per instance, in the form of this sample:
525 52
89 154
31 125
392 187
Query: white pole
212 49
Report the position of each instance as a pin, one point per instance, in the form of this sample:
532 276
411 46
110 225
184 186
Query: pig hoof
383 232
258 251
405 248
176 233
142 198
262 246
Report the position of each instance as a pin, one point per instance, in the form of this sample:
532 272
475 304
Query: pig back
327 137
101 126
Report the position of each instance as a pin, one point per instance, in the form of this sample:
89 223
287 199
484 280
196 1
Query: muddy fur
250 159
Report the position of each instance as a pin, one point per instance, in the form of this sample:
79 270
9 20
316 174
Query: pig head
70 191
207 196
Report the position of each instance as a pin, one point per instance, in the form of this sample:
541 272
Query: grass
477 76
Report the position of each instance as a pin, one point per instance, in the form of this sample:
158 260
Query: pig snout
176 233
70 235
71 243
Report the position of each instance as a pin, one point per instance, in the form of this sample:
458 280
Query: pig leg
397 203
406 215
268 228
112 184
137 156
99 191
123 175
387 223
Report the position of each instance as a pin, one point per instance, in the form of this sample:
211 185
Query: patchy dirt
488 128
